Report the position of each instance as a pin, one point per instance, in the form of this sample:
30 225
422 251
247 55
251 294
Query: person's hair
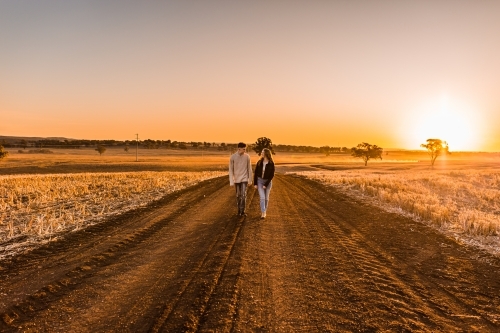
267 153
242 145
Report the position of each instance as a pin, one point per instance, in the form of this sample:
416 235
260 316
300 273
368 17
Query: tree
126 148
435 148
24 143
262 143
3 153
325 150
100 149
366 151
150 144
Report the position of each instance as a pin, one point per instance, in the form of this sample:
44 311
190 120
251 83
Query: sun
451 121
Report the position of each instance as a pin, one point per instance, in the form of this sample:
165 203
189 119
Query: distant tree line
327 150
48 143
364 150
162 144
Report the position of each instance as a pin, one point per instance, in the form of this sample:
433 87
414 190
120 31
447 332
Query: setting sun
450 120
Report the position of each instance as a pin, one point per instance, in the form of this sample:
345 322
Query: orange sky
391 73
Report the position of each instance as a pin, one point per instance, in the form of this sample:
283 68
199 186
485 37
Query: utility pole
137 146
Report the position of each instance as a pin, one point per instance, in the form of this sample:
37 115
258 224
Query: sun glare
451 121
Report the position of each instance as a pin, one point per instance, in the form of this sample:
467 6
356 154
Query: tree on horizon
262 143
366 151
100 149
435 148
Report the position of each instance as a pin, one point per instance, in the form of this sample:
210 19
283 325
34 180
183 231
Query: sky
337 73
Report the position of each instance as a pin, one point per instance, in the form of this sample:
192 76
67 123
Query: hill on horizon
31 138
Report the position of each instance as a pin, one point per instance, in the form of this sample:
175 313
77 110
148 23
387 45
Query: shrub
3 152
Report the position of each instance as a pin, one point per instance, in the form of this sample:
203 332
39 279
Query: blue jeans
241 196
263 193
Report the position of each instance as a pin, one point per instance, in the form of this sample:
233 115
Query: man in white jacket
240 176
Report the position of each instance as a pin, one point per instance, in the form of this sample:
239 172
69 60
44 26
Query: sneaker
243 214
264 215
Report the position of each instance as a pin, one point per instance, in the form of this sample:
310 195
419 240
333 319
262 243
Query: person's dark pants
241 196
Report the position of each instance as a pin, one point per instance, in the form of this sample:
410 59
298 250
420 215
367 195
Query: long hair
267 153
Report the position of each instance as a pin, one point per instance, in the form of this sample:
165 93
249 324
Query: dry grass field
113 160
37 207
117 160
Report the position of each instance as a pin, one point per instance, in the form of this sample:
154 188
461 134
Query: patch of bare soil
319 262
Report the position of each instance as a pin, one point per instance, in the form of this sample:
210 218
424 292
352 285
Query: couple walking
240 176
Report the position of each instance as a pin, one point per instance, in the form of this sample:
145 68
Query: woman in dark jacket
262 179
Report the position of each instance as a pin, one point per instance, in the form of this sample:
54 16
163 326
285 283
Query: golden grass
117 160
113 160
40 205
467 200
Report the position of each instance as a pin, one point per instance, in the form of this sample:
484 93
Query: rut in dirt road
320 262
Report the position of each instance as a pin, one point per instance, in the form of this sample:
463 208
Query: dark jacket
268 173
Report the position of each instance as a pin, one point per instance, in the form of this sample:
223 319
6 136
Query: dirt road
320 262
